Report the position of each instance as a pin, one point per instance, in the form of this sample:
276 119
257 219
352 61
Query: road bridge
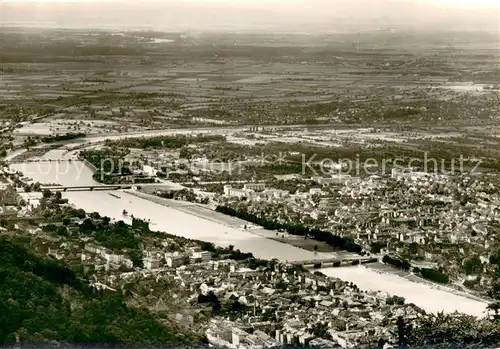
218 182
42 161
336 261
88 187
96 187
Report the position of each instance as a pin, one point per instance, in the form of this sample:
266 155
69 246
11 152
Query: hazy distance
289 15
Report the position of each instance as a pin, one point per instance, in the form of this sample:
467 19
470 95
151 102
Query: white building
151 263
315 191
233 192
204 256
334 179
149 170
255 186
32 198
174 261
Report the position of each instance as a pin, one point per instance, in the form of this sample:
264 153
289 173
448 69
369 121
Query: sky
186 14
445 3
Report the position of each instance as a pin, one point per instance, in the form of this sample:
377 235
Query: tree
495 258
79 213
402 336
58 196
473 266
495 289
95 215
62 231
495 308
377 246
413 248
136 258
434 275
395 300
405 265
87 226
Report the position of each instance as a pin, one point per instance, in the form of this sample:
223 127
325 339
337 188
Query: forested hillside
33 306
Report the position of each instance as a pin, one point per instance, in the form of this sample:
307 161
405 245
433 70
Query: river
429 298
179 223
161 218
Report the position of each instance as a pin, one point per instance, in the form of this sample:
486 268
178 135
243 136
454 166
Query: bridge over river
105 187
42 161
336 261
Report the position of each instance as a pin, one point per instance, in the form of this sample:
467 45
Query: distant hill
315 15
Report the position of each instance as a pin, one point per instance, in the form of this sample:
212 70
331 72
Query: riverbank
324 251
184 223
429 298
381 268
195 222
204 212
164 214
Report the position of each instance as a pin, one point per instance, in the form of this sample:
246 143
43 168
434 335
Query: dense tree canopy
64 137
473 265
342 243
33 308
166 142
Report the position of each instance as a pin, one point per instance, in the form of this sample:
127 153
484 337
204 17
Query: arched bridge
336 261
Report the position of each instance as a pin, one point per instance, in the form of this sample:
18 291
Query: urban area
249 191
